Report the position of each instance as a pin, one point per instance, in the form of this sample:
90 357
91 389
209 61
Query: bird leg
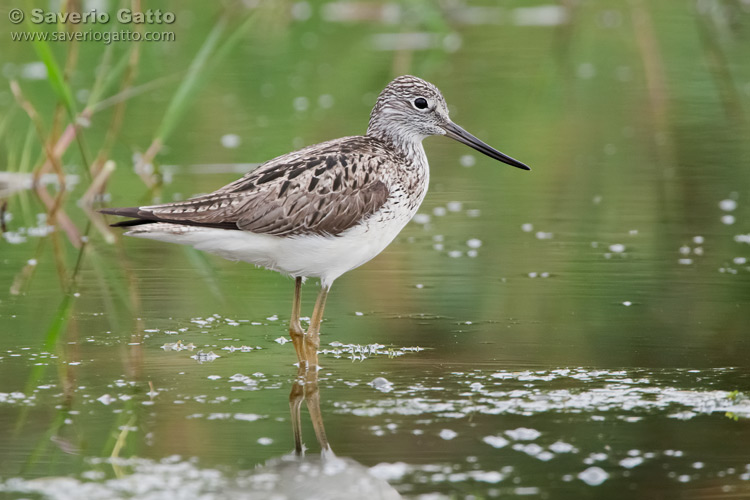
295 328
295 403
312 338
312 394
305 387
312 398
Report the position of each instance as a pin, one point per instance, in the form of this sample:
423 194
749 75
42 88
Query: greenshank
323 210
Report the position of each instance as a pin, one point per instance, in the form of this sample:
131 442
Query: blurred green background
623 253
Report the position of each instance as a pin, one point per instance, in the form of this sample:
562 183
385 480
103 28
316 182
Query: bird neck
397 139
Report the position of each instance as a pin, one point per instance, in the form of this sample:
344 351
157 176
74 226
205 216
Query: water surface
578 331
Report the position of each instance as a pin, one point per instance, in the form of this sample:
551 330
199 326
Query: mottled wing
322 189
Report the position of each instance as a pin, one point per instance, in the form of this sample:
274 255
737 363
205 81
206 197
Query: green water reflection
579 331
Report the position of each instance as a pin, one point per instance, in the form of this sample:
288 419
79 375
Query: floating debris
562 447
535 274
106 399
243 348
178 346
16 398
357 352
496 441
631 462
203 357
448 434
249 383
248 417
523 434
586 391
381 384
534 450
593 476
728 205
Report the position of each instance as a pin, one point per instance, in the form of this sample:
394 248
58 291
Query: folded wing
325 189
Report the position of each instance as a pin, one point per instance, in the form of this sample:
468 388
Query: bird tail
126 212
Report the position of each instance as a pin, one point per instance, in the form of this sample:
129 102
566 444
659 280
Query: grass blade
191 82
54 73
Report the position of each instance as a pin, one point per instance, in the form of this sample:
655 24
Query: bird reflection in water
305 388
325 476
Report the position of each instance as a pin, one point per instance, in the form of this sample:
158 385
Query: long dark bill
455 132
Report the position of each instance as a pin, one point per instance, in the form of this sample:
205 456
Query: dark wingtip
139 217
132 222
136 220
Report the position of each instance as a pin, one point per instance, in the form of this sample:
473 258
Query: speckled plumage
323 189
327 208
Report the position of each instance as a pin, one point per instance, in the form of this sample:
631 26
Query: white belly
324 257
310 256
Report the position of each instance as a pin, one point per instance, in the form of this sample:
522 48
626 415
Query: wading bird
323 210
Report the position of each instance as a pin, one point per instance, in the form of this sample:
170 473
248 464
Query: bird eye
420 103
